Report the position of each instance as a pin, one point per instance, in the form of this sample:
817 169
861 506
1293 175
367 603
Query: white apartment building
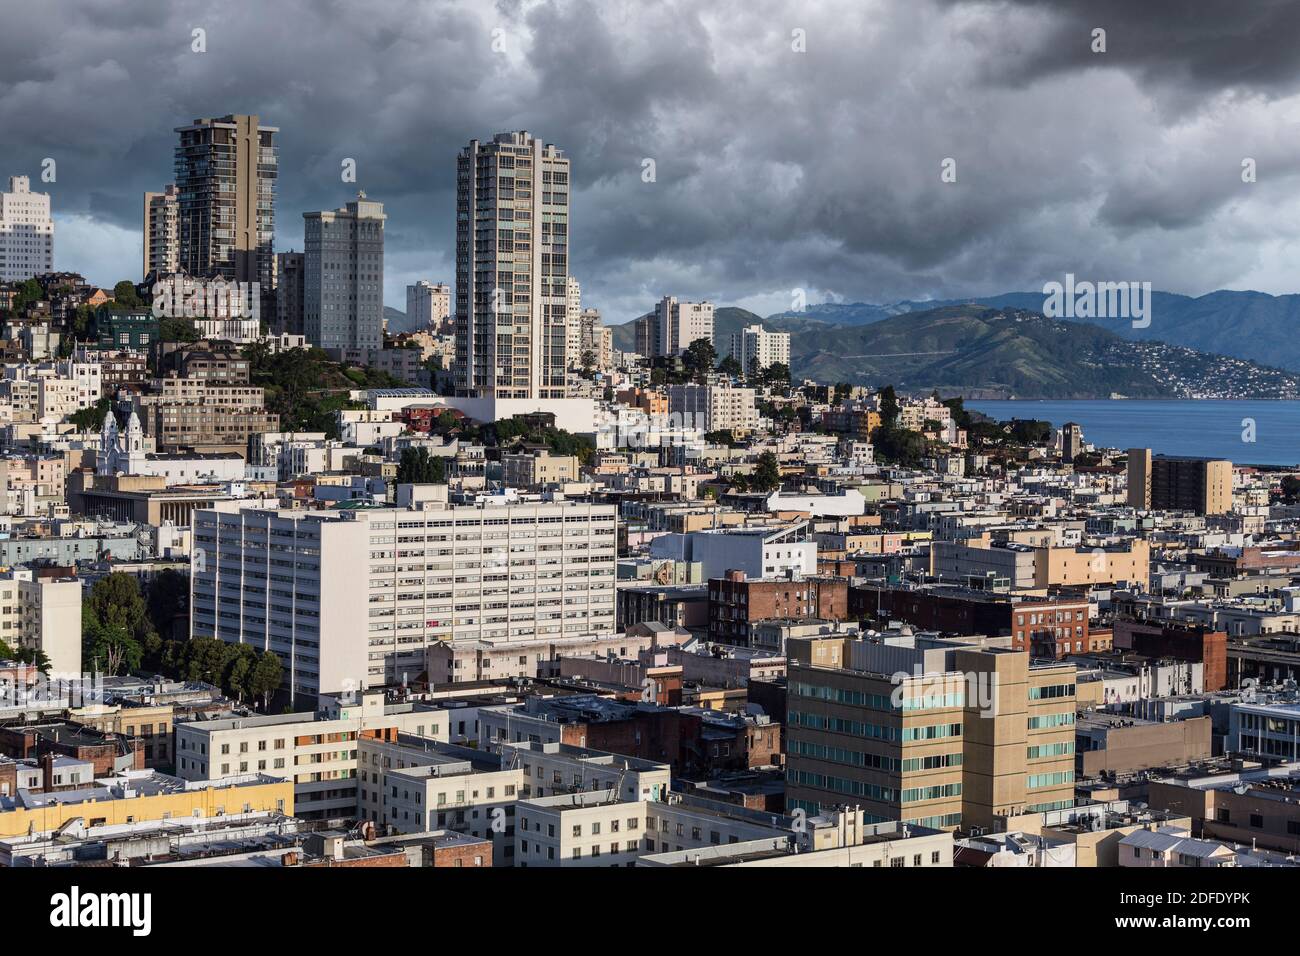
512 241
678 324
713 407
52 389
914 414
412 785
162 236
354 596
26 232
42 614
343 276
754 348
428 305
602 828
317 751
761 553
573 323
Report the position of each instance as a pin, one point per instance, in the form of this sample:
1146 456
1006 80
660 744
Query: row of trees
238 669
124 629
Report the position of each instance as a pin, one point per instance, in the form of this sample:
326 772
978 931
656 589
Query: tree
124 294
167 597
767 473
899 445
265 678
1290 488
26 655
417 467
778 373
959 414
700 357
108 646
28 293
116 629
91 419
1030 431
588 362
888 407
241 660
729 366
172 328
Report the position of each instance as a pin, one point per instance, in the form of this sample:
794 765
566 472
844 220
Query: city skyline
722 103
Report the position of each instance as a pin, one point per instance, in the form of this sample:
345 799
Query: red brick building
1183 642
736 603
107 752
1047 627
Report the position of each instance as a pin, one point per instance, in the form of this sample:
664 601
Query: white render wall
352 598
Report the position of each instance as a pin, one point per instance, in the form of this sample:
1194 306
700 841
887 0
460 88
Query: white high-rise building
573 324
675 325
26 232
512 269
428 305
713 407
351 598
754 348
343 276
162 232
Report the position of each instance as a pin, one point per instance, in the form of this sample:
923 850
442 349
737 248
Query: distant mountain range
1002 350
398 321
1249 325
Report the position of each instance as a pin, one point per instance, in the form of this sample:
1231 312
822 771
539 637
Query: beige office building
1165 483
941 734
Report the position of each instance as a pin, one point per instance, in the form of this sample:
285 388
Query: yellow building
138 796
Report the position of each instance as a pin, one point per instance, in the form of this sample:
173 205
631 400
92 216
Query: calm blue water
1209 428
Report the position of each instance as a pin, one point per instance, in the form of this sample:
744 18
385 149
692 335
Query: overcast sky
775 169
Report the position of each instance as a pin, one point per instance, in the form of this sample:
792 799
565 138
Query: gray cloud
775 169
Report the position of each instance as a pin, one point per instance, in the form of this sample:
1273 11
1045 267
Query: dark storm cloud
1195 46
775 169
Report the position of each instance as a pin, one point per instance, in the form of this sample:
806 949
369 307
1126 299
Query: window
896 862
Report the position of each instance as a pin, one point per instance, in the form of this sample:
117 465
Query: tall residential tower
512 268
343 269
225 183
